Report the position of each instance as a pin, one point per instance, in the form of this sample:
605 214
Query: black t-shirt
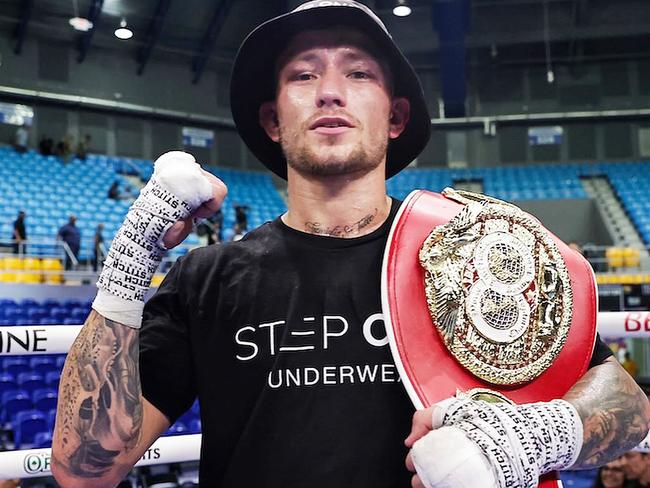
281 337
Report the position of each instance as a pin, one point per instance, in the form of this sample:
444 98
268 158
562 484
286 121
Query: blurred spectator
206 232
21 138
70 234
241 218
64 148
20 235
575 246
612 474
46 146
10 483
115 194
114 191
635 468
217 221
98 245
630 365
83 146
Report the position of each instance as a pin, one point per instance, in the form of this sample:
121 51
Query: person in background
98 244
612 474
21 139
637 467
630 365
20 235
241 218
644 478
64 148
217 222
83 146
46 146
70 234
576 247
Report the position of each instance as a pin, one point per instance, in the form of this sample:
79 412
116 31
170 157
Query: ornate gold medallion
498 290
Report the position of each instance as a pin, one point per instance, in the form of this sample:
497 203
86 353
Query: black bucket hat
252 82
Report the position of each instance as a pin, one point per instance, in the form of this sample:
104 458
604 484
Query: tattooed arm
103 423
615 413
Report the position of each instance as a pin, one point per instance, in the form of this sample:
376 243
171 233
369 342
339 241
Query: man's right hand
180 230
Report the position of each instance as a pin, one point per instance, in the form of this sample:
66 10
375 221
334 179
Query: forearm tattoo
100 411
615 413
341 230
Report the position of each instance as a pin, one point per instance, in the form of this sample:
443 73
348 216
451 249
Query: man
21 139
71 235
637 469
83 147
20 234
280 334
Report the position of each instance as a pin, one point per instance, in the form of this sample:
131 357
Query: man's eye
360 75
303 76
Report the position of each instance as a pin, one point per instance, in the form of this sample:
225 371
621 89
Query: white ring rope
57 339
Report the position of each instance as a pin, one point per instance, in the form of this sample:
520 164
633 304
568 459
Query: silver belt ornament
497 289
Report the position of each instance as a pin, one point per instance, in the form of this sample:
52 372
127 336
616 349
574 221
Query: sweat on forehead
334 36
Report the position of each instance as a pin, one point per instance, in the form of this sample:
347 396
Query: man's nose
331 90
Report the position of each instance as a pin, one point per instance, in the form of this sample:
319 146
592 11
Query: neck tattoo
341 230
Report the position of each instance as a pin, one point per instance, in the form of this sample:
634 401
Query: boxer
280 335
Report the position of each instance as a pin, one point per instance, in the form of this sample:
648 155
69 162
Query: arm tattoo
341 230
615 413
100 412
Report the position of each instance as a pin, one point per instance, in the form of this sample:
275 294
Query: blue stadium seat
194 426
7 382
52 379
42 440
177 428
14 401
42 364
30 381
58 313
15 366
60 361
26 425
44 399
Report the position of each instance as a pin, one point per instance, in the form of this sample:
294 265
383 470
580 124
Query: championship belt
480 300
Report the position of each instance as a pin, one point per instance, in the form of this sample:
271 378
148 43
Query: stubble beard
304 159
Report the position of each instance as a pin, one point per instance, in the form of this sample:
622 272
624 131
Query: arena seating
49 191
630 180
48 312
506 183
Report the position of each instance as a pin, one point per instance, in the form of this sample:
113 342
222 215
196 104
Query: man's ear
269 120
399 116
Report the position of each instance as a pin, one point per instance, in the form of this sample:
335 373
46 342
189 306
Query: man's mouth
331 125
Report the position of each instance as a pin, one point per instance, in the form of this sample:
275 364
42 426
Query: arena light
123 32
80 24
402 9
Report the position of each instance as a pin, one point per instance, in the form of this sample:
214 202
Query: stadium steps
614 216
136 182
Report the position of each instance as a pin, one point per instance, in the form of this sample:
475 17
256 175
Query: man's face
612 474
635 465
333 113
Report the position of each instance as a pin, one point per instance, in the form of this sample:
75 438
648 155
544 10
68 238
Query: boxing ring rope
57 339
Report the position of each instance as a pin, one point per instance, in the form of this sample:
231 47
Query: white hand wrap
521 442
176 189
